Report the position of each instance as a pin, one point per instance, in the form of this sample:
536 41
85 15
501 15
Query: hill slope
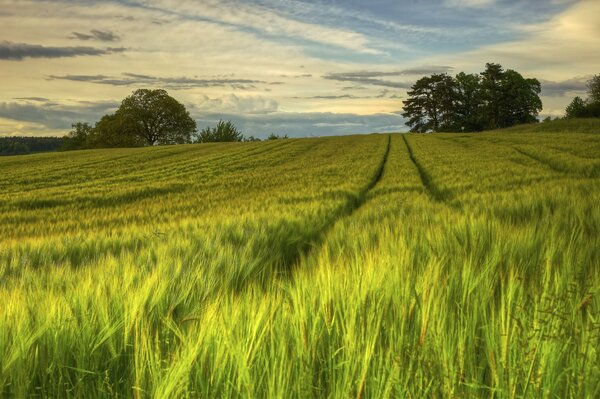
363 266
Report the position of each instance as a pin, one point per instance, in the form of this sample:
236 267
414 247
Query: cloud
232 103
99 35
308 124
371 77
253 115
38 99
56 115
385 93
253 16
178 83
19 51
353 77
557 89
469 3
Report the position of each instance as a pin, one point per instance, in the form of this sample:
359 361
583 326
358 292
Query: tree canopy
590 107
496 98
145 118
155 117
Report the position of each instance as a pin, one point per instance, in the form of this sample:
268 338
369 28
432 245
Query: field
375 266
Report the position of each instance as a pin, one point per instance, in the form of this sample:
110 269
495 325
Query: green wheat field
373 266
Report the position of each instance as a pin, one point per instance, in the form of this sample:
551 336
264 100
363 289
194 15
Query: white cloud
239 14
469 3
232 103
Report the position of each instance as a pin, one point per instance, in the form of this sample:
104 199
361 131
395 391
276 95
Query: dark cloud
99 35
133 79
372 77
54 115
559 89
19 51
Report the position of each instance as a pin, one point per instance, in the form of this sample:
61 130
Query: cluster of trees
495 98
29 145
590 107
147 118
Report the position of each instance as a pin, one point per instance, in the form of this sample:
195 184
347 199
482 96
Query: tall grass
365 266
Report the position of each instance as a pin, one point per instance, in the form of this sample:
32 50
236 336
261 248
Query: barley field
374 266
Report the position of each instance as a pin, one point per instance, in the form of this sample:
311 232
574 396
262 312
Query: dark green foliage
430 104
146 117
78 137
274 136
251 139
223 132
112 131
494 99
28 145
590 107
593 86
467 103
576 108
156 118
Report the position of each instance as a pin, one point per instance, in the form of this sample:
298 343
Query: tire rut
353 204
436 193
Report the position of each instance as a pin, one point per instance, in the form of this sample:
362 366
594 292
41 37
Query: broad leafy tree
112 131
156 118
467 105
522 103
430 104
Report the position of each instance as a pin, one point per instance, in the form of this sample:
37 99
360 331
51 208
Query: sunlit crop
439 265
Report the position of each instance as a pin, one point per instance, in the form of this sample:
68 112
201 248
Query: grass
364 266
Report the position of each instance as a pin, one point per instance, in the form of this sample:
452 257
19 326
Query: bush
223 132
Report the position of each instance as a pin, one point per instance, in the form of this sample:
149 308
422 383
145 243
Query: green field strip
432 188
291 257
561 162
189 292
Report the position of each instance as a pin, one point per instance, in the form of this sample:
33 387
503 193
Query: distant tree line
590 107
493 99
29 145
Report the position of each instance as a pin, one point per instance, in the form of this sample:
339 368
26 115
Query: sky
301 68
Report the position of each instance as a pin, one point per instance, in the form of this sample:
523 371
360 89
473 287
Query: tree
492 95
593 86
430 105
112 131
155 117
576 109
590 107
493 99
467 103
274 136
224 131
77 138
521 102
